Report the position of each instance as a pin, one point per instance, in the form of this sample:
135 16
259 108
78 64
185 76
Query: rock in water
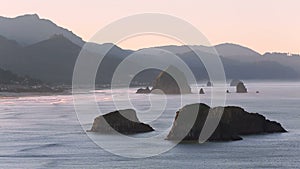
209 84
165 83
122 121
143 91
201 91
240 88
234 122
235 82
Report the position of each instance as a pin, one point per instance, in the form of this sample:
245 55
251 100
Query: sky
262 25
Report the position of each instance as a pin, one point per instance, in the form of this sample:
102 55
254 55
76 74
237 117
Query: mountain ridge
30 28
53 59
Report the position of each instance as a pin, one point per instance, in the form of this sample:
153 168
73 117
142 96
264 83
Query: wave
41 147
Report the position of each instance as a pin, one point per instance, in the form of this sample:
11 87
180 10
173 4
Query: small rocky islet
121 121
234 123
209 84
241 88
201 91
143 91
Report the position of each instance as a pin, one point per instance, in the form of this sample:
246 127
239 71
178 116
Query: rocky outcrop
234 123
241 88
201 91
209 84
235 82
143 91
165 83
122 121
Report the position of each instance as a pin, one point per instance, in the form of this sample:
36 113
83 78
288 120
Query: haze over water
43 132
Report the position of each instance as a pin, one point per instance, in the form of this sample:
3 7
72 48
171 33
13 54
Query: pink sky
263 25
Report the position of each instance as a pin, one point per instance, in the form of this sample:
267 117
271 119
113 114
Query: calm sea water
44 132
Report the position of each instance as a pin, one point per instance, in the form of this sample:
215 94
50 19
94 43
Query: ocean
44 131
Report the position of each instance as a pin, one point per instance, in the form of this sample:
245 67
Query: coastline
29 94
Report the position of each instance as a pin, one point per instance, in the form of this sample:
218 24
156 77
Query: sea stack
201 91
234 122
165 83
209 84
241 88
121 121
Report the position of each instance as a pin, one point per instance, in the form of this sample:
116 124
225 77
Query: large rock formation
241 88
165 83
122 121
234 122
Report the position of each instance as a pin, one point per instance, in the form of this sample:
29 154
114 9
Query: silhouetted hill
10 82
53 60
8 45
30 29
9 51
241 70
9 78
230 50
52 54
239 62
289 60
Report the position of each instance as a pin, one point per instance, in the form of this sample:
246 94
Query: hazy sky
263 25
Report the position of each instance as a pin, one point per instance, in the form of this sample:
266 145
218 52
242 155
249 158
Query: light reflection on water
43 132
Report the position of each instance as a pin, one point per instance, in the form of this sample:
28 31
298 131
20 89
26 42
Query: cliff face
122 121
234 122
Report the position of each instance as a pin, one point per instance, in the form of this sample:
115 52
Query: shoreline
30 94
68 91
